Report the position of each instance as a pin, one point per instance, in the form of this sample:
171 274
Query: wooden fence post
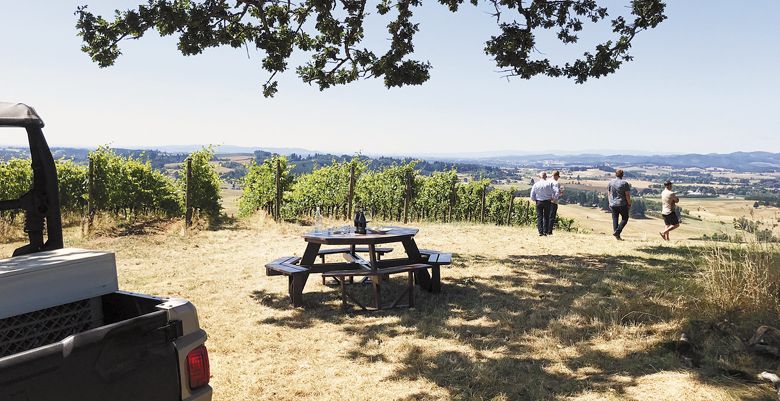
407 196
351 193
278 203
511 204
482 206
188 196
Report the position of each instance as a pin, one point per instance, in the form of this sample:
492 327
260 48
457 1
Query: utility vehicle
66 331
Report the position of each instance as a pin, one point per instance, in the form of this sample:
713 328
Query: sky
704 81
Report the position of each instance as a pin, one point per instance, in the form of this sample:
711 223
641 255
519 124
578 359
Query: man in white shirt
542 193
668 205
557 188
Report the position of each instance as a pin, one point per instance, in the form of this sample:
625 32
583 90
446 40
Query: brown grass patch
742 281
573 316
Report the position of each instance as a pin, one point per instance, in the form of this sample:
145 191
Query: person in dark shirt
619 194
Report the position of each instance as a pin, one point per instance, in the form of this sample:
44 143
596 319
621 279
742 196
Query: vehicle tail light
198 367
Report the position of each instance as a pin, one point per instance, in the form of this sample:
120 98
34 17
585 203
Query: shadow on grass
555 327
223 222
140 226
685 252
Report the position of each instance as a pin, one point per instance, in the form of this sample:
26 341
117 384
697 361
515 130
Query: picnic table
415 263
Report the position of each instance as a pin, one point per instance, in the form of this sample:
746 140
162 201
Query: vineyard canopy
19 115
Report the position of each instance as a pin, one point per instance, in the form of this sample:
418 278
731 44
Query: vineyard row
395 193
122 186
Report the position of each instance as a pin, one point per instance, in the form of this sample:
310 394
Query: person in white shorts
669 202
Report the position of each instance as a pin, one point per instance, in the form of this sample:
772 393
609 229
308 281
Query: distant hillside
738 161
489 167
234 163
306 163
232 149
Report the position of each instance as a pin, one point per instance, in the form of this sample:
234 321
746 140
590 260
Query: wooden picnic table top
371 267
395 234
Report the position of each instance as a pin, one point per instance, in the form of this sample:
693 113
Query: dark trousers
553 215
621 211
543 216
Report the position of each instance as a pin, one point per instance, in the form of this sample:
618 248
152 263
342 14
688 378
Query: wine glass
368 215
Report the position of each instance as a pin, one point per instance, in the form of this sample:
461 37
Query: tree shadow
141 226
686 252
223 222
546 330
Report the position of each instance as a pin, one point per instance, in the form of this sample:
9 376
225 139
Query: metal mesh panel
35 329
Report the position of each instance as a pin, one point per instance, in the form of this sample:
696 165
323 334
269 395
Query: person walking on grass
542 194
669 203
619 194
557 188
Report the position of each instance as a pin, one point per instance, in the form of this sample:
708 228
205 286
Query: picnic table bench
348 251
436 259
334 251
296 275
376 277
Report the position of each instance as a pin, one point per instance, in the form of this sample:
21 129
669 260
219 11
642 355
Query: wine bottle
357 221
362 223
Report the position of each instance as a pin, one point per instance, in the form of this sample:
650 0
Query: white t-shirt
557 188
668 199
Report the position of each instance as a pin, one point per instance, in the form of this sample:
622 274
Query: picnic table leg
343 293
322 259
310 254
412 252
352 252
376 280
421 277
410 287
435 279
297 282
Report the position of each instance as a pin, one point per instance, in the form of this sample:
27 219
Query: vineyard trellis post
407 196
453 189
482 205
188 195
278 197
351 193
511 204
91 207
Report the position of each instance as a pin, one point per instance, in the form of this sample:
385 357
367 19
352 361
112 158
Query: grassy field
711 215
571 317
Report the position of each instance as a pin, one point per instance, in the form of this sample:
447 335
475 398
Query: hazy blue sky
706 80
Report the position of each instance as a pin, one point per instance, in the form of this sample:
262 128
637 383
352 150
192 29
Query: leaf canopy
331 34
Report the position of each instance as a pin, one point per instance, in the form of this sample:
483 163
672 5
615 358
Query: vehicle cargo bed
128 355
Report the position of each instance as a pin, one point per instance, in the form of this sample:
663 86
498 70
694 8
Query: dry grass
11 231
716 216
573 316
743 281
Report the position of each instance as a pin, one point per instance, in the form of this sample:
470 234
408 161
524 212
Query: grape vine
386 193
